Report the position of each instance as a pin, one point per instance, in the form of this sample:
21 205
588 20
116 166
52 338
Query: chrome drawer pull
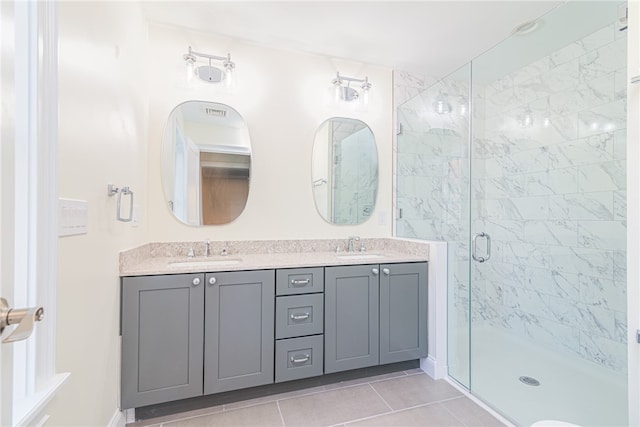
300 316
301 360
295 282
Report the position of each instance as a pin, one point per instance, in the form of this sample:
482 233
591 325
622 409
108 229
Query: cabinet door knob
385 271
375 271
196 281
212 280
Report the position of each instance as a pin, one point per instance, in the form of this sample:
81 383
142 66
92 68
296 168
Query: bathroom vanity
194 327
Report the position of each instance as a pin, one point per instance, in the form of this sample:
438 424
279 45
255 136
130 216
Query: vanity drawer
299 358
293 281
299 315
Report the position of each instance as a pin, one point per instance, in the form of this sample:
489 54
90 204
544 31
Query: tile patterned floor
402 399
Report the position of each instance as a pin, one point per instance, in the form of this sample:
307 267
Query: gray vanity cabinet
162 332
375 314
239 331
403 312
351 317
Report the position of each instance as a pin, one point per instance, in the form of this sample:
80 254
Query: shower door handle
474 247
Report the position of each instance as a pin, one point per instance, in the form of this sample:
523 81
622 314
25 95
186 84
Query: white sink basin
205 263
359 256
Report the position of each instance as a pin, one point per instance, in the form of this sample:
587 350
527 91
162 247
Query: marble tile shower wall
552 194
550 144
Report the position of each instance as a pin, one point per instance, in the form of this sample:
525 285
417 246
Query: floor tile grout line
280 412
452 413
384 413
162 423
448 399
380 396
386 379
361 419
274 400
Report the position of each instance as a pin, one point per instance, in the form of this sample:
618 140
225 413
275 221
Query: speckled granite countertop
170 258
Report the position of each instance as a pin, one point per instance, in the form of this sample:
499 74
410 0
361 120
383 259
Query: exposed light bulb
228 77
365 97
191 72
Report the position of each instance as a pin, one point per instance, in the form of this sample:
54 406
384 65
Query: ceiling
429 37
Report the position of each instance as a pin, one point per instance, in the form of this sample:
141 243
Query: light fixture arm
339 79
192 55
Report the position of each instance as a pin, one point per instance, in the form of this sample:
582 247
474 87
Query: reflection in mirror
206 163
344 171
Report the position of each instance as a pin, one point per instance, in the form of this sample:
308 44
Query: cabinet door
239 336
162 338
403 312
351 317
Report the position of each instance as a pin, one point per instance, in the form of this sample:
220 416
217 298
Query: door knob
25 318
375 271
212 280
196 281
386 271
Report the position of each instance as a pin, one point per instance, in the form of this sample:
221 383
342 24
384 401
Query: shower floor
571 389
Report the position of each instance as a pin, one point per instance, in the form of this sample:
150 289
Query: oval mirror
344 171
206 163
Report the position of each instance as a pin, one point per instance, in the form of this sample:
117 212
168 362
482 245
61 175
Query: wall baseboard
118 419
433 369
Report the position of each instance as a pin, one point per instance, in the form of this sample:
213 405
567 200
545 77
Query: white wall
102 139
282 97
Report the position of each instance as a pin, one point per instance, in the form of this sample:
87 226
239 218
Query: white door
27 206
7 144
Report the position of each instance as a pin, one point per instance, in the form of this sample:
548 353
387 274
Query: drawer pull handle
300 316
300 360
295 282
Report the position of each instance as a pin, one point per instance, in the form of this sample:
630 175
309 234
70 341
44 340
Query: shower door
548 221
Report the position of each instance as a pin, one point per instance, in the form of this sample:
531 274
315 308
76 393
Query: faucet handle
350 247
207 247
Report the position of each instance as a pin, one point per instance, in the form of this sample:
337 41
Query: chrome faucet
350 247
207 248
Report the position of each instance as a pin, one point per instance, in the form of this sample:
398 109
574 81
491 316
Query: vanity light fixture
209 73
346 92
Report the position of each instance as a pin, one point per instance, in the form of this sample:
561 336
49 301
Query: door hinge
638 336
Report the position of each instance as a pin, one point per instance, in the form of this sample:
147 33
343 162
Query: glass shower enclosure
518 161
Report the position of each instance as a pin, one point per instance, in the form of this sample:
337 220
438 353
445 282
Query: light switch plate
73 217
